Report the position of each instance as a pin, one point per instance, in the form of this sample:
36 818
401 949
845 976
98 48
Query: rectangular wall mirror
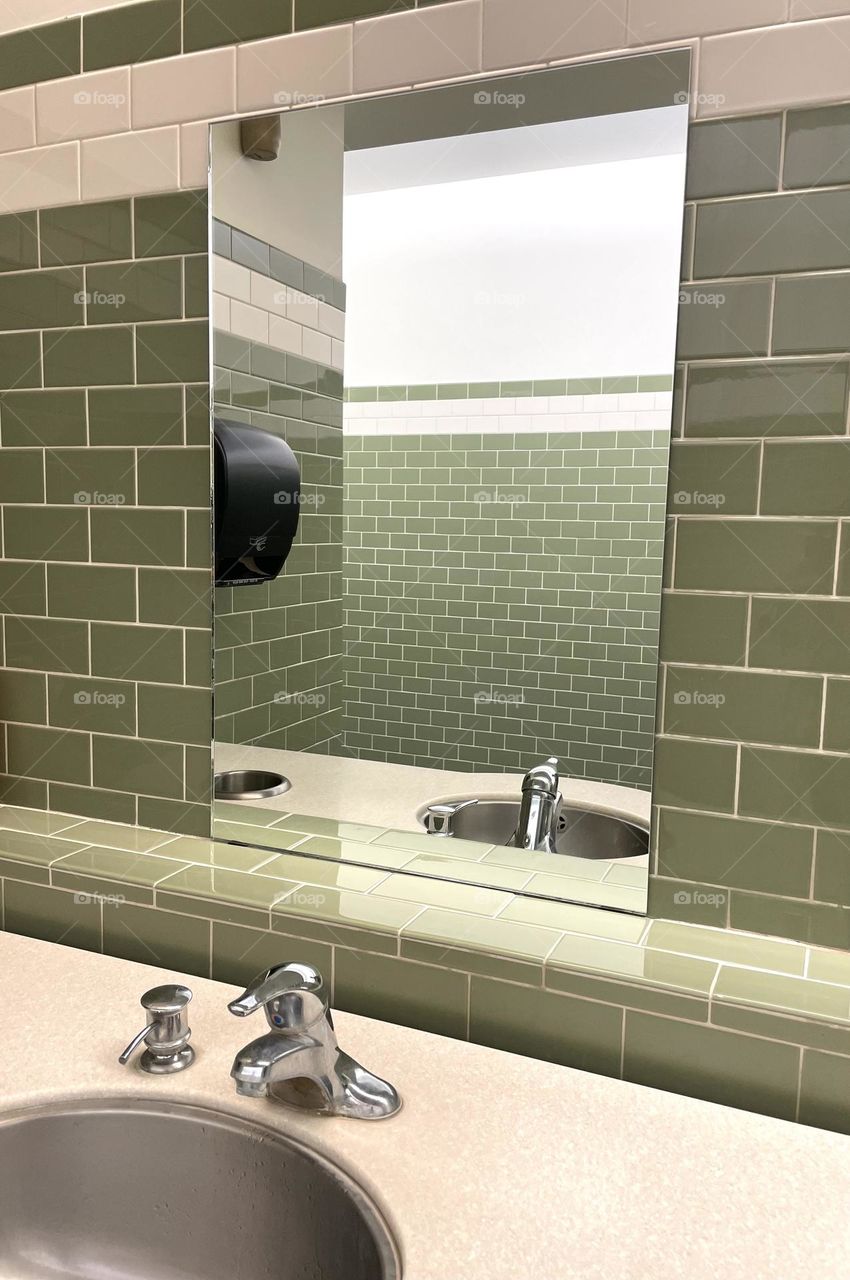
444 336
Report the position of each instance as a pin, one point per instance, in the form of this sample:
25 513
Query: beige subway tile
281 71
301 308
17 119
131 164
422 44
83 106
40 177
331 321
652 21
231 279
755 71
195 86
316 346
249 322
264 292
285 335
221 312
194 154
547 29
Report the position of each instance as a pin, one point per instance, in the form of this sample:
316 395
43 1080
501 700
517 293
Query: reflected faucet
540 808
302 1046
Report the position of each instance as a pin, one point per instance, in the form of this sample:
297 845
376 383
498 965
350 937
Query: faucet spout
540 807
268 1060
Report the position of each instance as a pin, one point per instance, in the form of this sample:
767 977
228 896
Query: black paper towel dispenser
257 502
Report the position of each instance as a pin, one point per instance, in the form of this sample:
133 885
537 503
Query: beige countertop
391 795
498 1167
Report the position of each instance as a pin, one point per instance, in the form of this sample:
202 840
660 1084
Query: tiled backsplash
278 365
469 644
747 807
104 420
745 1021
751 767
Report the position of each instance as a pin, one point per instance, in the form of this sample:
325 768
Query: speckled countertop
498 1167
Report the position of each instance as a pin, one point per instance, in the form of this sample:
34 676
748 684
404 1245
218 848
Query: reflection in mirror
444 341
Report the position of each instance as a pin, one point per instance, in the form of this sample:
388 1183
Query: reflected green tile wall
751 775
101 635
534 630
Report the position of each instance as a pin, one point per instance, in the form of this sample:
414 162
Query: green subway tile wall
104 713
501 597
758 576
752 827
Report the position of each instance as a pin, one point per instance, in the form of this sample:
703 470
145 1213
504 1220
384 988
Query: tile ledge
826 983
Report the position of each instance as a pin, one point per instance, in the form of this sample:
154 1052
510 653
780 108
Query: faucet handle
438 817
292 994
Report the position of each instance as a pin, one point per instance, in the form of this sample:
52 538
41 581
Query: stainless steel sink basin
582 833
138 1191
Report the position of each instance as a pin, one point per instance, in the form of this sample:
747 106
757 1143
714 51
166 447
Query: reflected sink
581 833
142 1191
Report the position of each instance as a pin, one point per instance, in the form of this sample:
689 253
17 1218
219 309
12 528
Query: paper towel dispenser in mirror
257 499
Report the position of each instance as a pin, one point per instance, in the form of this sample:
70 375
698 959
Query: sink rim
492 797
386 1242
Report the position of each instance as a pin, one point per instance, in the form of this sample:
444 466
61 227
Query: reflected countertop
390 795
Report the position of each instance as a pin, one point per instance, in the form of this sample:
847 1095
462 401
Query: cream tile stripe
770 67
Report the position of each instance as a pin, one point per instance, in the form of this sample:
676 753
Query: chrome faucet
540 808
301 1046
